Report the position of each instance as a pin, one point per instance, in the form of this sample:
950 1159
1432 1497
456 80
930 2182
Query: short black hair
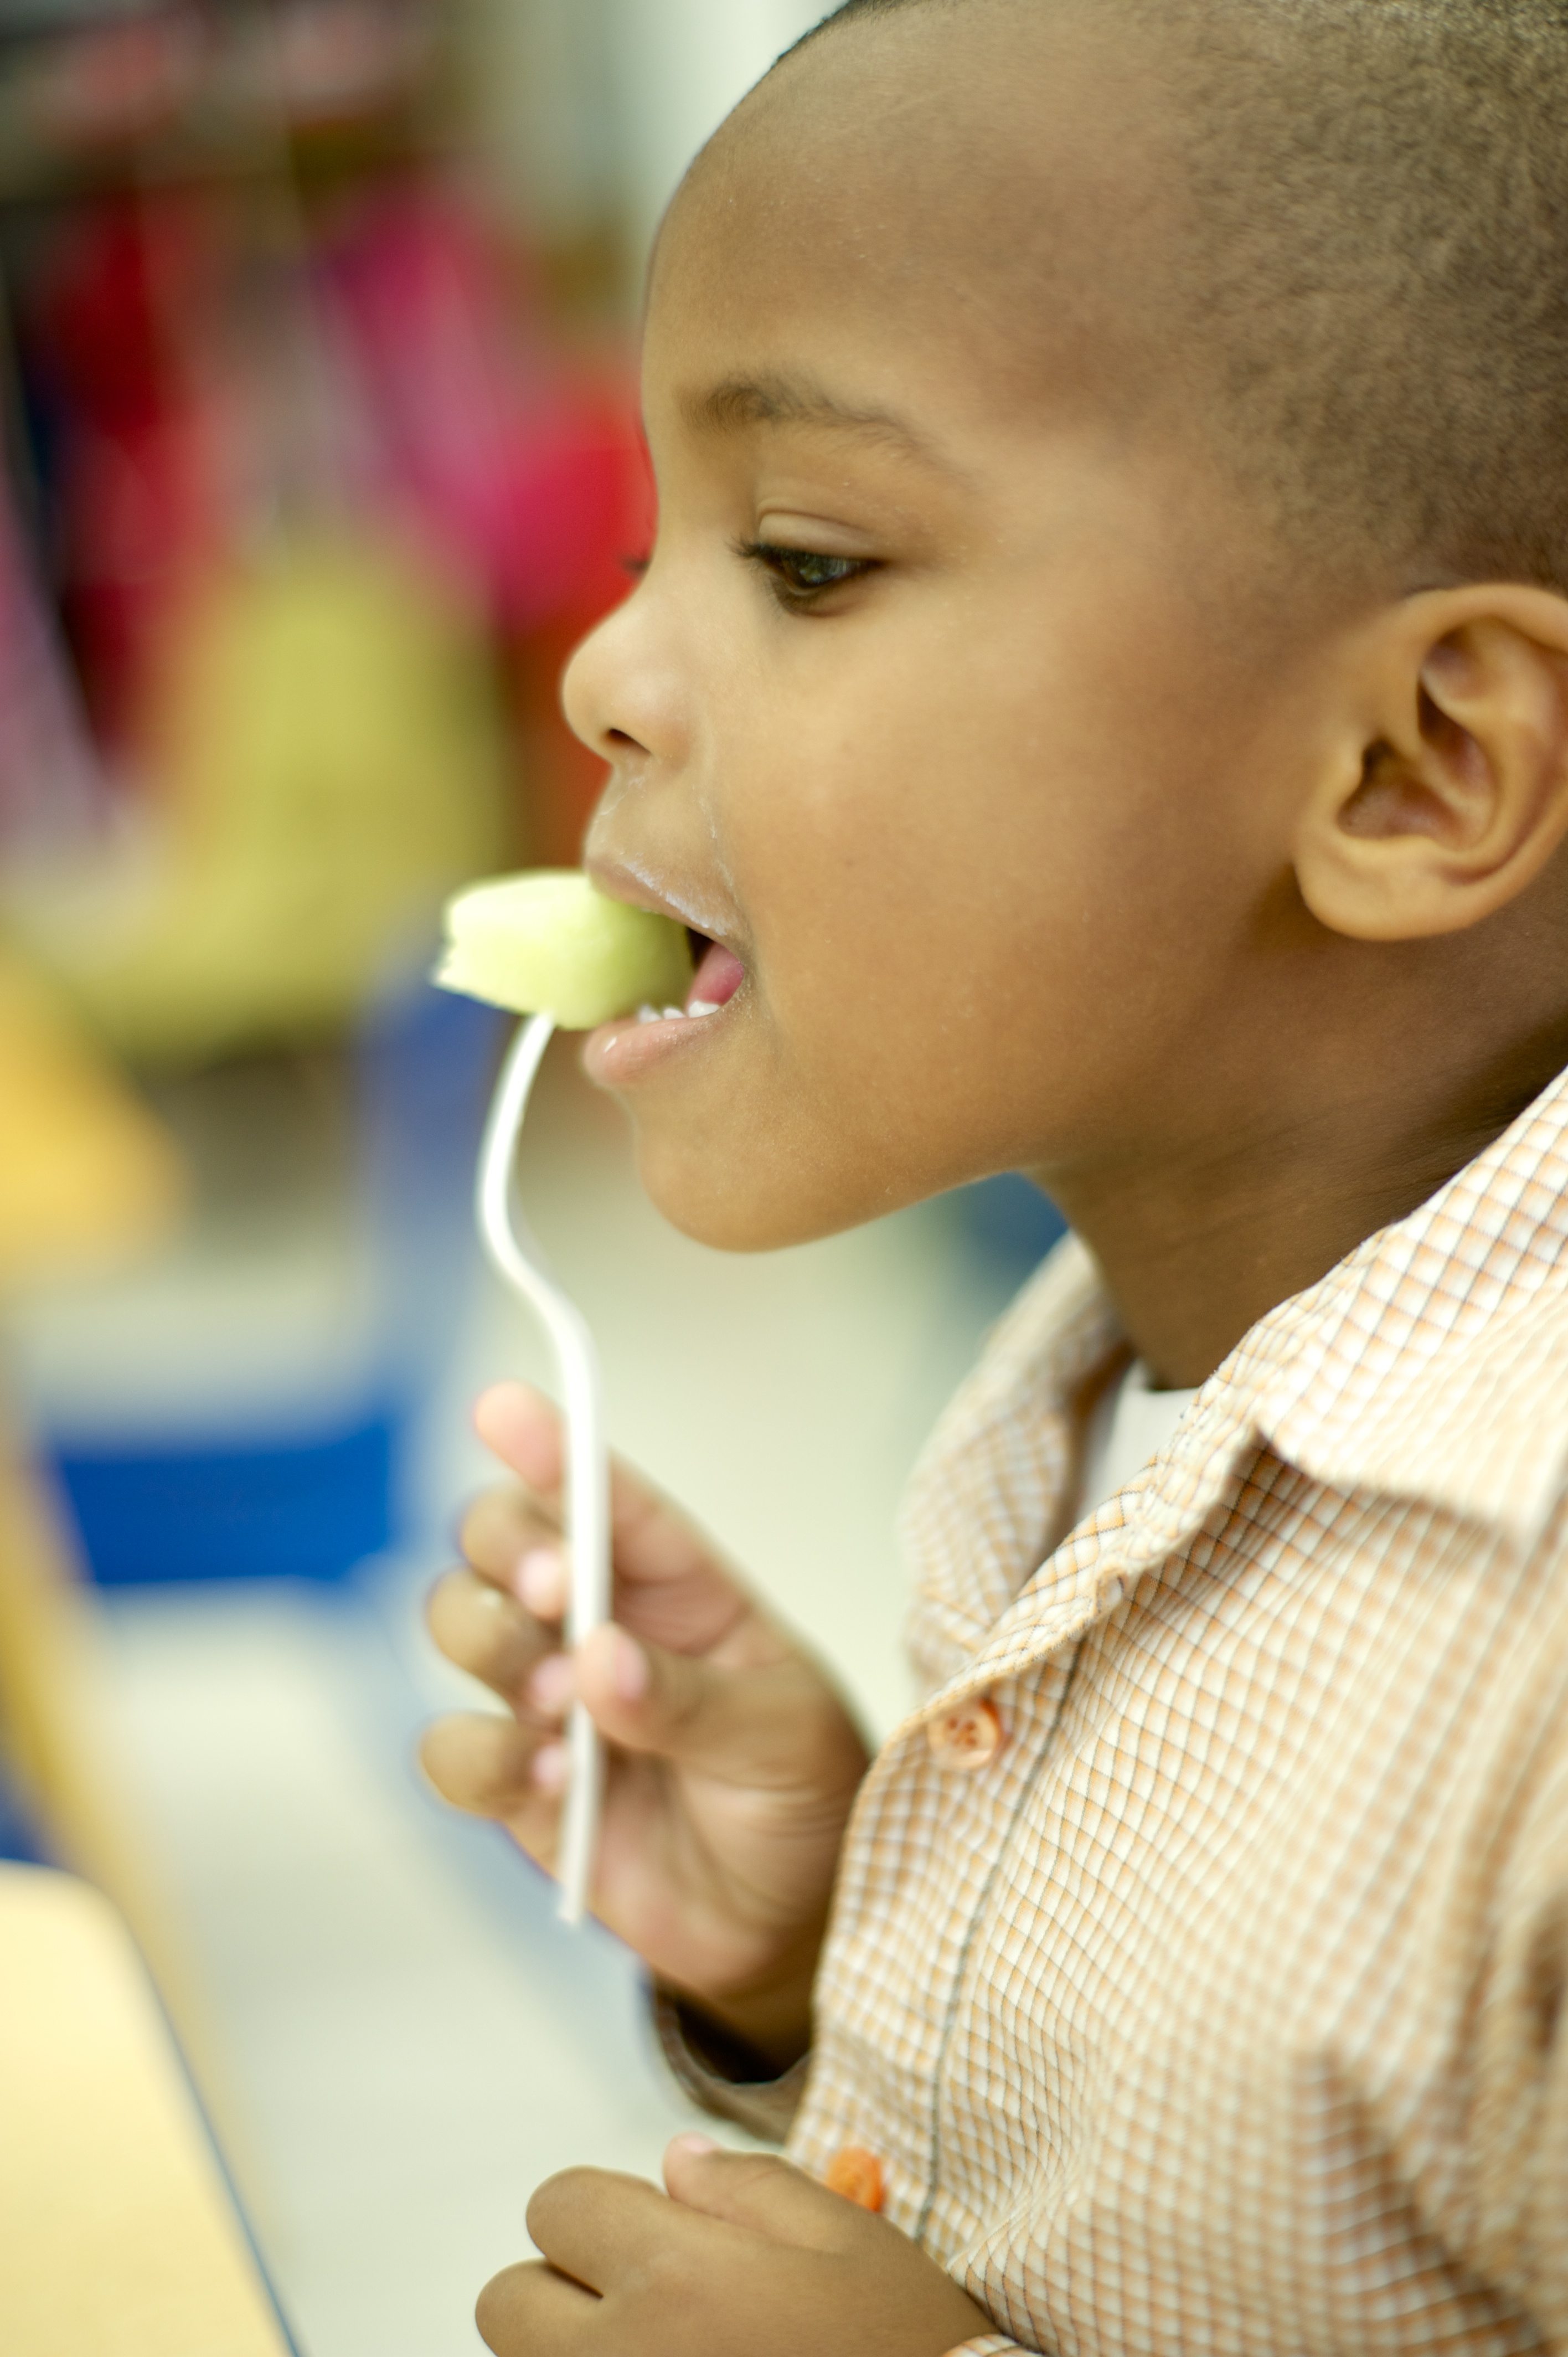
1373 301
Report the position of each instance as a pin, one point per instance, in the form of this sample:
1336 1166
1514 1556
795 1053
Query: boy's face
944 703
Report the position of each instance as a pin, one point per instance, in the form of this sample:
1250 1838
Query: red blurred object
528 474
50 789
137 479
112 83
206 378
335 60
525 473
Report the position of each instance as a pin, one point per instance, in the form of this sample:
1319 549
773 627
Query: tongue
718 978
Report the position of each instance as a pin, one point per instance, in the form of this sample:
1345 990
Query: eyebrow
739 402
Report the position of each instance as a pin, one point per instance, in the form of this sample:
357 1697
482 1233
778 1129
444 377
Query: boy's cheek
897 1037
754 1148
951 926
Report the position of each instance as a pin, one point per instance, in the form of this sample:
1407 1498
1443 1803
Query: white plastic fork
586 1487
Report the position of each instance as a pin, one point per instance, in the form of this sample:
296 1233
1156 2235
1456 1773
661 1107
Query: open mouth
718 975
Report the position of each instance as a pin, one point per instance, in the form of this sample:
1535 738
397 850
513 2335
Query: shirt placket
994 1733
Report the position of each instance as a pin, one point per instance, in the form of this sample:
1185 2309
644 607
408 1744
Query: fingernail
693 2143
550 1688
549 1770
628 1672
540 1581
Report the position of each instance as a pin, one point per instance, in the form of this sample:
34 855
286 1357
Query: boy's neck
1197 1247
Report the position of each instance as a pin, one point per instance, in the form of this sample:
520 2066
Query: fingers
496 1768
502 1530
774 2265
676 1706
531 2311
759 2193
755 1726
483 1632
603 2229
669 1580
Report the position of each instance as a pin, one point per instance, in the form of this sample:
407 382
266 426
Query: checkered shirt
1220 2011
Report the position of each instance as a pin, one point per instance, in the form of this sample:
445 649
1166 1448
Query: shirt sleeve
716 2073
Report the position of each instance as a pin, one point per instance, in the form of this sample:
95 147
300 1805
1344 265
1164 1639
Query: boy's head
1072 675
1355 282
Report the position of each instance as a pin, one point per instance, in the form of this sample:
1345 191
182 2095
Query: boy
1102 691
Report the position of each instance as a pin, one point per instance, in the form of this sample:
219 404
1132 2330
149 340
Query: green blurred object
327 761
548 943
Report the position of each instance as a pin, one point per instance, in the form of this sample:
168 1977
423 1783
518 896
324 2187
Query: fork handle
587 1484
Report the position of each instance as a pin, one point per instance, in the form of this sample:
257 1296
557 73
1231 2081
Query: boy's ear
1449 793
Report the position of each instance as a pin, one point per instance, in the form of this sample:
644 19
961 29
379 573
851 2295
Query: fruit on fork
549 943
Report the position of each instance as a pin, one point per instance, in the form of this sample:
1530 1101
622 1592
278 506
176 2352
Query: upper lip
620 883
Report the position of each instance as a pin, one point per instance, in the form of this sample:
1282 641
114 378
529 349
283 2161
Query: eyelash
795 595
782 565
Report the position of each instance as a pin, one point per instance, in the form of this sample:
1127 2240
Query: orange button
968 1736
857 2175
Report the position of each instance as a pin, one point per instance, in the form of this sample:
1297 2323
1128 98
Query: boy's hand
748 2254
732 1763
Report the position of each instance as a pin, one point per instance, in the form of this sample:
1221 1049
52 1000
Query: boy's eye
799 575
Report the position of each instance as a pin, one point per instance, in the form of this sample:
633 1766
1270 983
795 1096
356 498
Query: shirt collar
1431 1363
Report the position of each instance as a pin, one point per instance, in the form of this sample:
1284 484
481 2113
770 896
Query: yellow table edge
123 2237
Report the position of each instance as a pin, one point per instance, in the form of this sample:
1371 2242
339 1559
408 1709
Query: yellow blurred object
87 1176
119 2235
327 756
55 1722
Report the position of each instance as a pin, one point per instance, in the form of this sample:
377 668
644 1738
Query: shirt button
968 1737
857 2175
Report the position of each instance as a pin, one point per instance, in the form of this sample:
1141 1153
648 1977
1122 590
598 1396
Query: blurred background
318 353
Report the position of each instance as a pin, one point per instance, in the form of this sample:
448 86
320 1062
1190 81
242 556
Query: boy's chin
741 1202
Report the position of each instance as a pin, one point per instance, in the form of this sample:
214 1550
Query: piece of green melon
547 942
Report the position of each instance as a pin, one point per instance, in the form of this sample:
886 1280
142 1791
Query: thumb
758 2192
735 1723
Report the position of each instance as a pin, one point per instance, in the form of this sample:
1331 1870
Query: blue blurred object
309 1508
1010 1221
425 1061
312 1501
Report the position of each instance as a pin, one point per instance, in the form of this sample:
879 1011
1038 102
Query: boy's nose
618 696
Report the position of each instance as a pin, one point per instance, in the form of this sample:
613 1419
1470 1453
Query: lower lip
618 1054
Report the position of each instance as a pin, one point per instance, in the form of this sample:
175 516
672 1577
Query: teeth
646 1014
